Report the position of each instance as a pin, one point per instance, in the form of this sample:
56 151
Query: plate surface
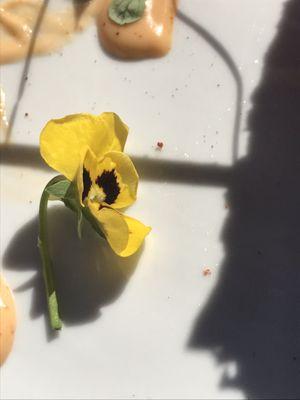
154 326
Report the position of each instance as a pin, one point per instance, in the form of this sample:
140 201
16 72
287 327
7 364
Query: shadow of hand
88 274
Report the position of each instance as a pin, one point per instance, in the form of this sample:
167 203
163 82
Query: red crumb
159 145
206 271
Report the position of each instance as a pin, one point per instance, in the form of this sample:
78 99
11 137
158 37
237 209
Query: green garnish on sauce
126 11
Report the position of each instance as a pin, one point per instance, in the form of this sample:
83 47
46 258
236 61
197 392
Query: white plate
153 326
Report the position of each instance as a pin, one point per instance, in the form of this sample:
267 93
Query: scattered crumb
206 271
187 37
159 145
117 33
26 114
218 85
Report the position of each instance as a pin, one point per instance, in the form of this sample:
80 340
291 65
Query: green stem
55 321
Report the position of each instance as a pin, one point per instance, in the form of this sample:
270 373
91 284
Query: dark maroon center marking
108 182
87 183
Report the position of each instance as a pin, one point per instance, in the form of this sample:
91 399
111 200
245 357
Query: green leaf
58 190
126 11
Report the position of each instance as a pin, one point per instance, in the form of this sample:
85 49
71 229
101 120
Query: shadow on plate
88 274
253 315
150 169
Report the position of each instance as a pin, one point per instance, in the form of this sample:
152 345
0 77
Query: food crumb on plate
206 271
159 145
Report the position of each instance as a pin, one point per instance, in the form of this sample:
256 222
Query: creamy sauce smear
151 36
18 19
7 320
3 116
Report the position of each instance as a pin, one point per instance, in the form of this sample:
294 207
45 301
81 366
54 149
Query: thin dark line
220 49
26 69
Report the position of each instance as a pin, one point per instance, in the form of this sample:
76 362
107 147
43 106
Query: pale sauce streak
19 17
151 36
7 320
3 116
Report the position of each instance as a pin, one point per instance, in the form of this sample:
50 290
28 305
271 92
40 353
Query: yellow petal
128 177
81 181
83 178
118 129
137 233
113 225
62 140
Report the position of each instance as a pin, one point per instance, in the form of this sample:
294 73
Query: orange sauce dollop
151 36
7 320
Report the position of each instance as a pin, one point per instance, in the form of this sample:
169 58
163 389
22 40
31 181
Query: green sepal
59 188
62 189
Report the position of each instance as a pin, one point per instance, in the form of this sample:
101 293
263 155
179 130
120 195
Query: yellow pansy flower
88 150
